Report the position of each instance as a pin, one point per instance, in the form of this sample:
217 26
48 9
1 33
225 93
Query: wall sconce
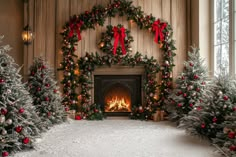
27 35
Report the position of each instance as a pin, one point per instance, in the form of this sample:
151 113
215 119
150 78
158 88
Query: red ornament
95 110
3 111
234 108
199 108
47 85
184 95
2 81
55 91
78 117
231 135
198 89
46 98
43 67
214 120
32 73
18 129
86 12
26 140
180 92
182 77
38 89
179 105
203 125
21 110
203 83
232 148
196 77
49 114
225 97
191 105
191 64
66 108
5 153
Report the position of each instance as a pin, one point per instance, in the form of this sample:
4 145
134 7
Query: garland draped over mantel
90 19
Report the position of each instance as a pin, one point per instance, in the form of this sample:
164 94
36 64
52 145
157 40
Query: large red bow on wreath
119 35
75 27
158 27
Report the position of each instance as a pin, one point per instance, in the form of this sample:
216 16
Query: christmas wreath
120 35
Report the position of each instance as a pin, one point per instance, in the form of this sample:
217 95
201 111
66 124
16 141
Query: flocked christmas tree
18 119
45 93
225 139
206 119
189 86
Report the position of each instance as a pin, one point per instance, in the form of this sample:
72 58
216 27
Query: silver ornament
151 95
166 62
4 132
9 121
219 93
8 91
68 74
86 58
2 119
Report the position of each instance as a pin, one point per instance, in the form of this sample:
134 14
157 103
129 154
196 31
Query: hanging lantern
27 35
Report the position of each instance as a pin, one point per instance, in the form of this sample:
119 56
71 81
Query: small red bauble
55 91
232 148
18 129
21 110
191 64
49 114
47 85
234 108
86 12
184 95
203 125
2 81
77 117
225 97
46 98
231 135
182 77
199 108
26 140
66 108
43 67
198 89
3 111
5 153
214 119
195 76
38 89
191 105
179 105
32 73
96 110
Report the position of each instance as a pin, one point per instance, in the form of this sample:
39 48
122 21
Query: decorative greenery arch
87 20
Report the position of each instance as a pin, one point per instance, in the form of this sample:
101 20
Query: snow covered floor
118 138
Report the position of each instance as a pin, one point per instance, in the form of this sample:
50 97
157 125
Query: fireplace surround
117 88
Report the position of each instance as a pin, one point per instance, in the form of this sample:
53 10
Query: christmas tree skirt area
114 137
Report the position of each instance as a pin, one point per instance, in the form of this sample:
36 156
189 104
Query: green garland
89 62
98 14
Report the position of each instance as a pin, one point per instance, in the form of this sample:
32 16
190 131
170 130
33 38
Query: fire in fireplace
117 99
117 93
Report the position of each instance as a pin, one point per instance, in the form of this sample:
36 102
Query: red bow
75 27
119 34
158 27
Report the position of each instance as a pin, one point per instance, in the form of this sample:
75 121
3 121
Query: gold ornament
102 44
76 71
130 49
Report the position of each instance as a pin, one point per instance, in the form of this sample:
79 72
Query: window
222 44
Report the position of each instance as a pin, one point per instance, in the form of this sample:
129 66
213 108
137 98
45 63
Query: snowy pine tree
18 120
45 92
189 86
206 118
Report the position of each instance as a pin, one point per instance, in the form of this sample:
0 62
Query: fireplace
117 94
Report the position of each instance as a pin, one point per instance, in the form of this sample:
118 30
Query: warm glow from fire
118 104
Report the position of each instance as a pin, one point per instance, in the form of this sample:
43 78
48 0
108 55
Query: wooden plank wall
48 17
